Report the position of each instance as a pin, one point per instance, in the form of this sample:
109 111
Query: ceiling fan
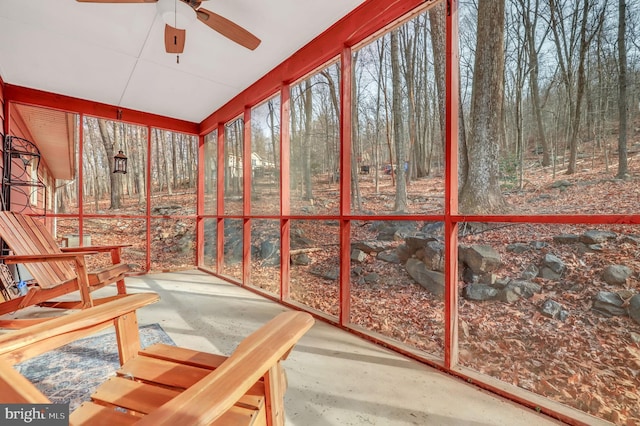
177 13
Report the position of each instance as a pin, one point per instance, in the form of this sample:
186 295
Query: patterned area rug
71 373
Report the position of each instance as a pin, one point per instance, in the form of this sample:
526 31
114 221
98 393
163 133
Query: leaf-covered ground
588 361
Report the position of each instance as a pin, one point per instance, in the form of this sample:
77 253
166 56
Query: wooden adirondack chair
56 271
163 385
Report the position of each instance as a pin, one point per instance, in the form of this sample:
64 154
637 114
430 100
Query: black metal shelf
20 175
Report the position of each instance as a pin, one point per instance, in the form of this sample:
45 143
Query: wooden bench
162 384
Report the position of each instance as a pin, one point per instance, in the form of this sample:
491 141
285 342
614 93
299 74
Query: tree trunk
437 20
306 143
356 204
409 55
530 34
166 161
175 182
623 171
463 160
275 144
113 177
401 185
481 190
575 122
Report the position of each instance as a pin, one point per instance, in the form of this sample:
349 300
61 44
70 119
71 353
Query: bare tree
623 170
437 20
401 185
579 33
109 146
530 14
481 191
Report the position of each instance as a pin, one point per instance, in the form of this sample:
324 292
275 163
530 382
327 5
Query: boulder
432 254
525 288
595 236
268 249
552 267
416 243
370 247
609 304
538 245
479 292
530 272
561 184
372 278
403 252
358 256
433 229
518 248
631 239
396 230
389 256
298 241
552 309
634 308
516 289
331 274
300 259
480 258
616 274
430 280
566 239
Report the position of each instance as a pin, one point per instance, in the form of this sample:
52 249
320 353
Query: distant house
261 167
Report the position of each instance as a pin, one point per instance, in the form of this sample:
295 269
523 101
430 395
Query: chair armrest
17 389
99 249
256 356
46 257
34 340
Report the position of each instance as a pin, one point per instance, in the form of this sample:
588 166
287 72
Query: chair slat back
26 235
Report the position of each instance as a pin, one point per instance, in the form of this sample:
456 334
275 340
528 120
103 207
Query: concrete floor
335 378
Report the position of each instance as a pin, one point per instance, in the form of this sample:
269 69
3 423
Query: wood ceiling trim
41 98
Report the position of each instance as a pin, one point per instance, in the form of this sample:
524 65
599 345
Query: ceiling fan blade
174 39
117 1
229 29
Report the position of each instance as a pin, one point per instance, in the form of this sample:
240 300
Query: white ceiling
114 53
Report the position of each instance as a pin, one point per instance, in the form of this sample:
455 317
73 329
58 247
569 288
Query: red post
200 205
246 199
220 201
451 190
80 190
285 200
346 70
148 210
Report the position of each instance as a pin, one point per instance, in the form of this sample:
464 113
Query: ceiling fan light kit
176 13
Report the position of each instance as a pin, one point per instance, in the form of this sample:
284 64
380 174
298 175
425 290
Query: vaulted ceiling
114 53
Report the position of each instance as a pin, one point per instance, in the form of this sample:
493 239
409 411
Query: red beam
350 30
25 95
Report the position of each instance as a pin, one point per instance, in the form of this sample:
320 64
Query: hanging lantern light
120 163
